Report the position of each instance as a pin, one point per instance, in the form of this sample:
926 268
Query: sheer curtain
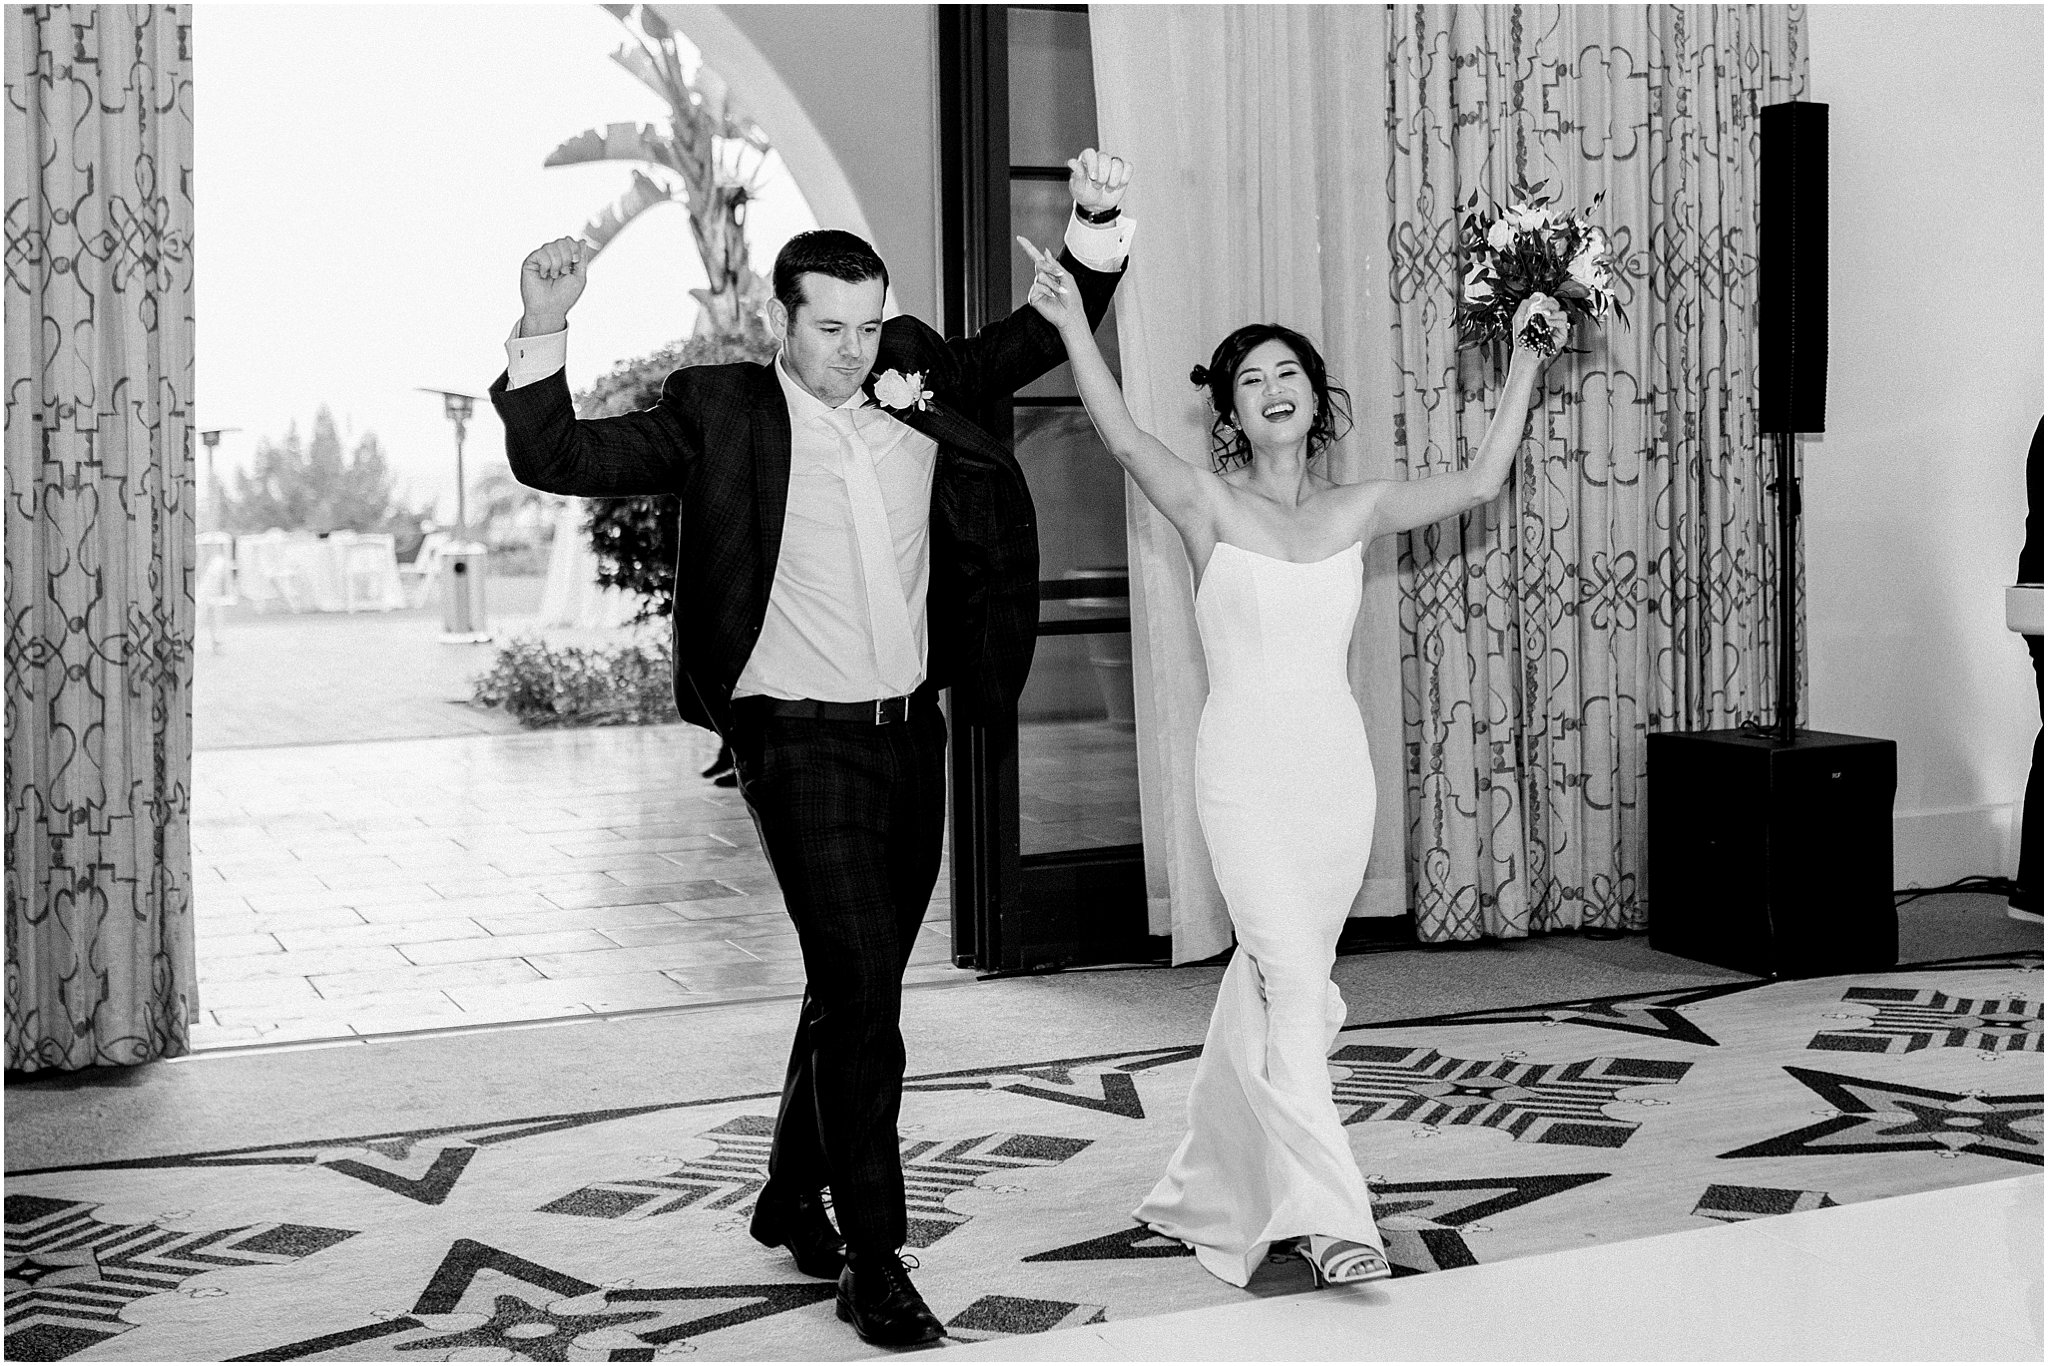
99 534
1258 134
1623 585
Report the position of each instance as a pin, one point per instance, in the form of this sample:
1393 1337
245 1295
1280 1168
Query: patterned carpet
620 1234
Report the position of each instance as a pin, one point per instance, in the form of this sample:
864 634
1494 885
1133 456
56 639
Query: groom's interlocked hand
1097 179
551 280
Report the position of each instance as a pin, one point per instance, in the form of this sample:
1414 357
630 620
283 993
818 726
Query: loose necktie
896 655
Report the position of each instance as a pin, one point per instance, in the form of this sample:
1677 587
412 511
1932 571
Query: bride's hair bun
1199 376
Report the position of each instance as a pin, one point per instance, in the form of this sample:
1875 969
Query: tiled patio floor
275 678
371 856
386 887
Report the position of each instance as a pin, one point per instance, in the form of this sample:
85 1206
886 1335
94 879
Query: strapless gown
1284 790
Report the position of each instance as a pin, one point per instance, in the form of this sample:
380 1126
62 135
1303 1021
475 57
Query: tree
708 159
500 507
312 486
635 538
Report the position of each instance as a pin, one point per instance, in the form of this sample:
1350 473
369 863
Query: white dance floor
1948 1275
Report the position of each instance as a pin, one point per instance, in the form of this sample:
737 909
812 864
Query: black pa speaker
1773 857
1792 268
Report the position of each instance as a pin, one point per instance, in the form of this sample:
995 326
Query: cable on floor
1976 882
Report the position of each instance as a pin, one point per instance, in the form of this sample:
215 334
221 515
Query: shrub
518 562
635 538
627 685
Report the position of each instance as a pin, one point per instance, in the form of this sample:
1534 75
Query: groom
850 544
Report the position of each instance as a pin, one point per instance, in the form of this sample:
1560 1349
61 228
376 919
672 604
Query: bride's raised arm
1404 504
1185 494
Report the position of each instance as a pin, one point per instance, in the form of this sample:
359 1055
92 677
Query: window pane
1077 487
1077 749
1077 752
1052 87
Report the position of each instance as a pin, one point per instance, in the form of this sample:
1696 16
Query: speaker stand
1786 487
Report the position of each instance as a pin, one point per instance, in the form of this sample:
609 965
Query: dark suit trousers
851 816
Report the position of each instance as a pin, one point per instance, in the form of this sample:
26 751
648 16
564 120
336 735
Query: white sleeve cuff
528 359
1100 246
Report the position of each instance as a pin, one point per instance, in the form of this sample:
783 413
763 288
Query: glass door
1047 853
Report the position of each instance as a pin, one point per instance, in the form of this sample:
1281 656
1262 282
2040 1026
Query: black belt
883 711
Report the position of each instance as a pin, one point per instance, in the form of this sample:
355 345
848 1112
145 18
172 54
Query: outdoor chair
216 591
368 562
265 567
420 578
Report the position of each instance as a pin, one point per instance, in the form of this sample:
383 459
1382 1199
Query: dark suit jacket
719 440
2029 570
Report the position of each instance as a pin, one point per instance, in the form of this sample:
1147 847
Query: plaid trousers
852 818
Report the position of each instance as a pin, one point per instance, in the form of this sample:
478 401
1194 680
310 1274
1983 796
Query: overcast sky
367 179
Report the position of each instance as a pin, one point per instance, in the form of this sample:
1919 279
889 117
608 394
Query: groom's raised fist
551 280
1097 180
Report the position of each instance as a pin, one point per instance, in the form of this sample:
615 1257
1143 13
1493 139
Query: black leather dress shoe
802 1226
877 1298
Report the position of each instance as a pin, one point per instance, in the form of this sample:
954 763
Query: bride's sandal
1339 1261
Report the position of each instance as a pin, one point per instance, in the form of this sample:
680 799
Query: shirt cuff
1102 246
528 359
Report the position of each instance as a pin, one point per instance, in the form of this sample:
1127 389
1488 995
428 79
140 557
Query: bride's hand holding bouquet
1540 329
1531 271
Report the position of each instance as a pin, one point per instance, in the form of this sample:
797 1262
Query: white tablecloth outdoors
342 572
571 595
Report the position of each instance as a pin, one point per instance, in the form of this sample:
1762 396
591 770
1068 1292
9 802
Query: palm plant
709 159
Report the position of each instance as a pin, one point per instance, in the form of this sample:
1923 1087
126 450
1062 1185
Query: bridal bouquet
1532 251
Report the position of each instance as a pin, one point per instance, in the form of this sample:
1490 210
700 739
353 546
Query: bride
1284 784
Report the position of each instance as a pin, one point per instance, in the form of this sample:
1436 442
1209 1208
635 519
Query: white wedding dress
1284 789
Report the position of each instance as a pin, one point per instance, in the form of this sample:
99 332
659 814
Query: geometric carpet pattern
1538 1102
733 1174
1872 1116
570 1235
1904 1020
1733 1204
70 1276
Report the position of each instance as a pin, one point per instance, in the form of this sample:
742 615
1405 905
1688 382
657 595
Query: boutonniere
894 389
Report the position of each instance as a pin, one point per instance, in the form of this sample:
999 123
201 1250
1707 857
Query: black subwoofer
1770 856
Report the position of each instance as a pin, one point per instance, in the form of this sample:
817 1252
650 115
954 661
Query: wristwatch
1098 217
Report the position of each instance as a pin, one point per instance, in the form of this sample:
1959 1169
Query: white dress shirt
816 641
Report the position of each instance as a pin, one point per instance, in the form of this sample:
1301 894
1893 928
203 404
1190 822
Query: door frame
1012 912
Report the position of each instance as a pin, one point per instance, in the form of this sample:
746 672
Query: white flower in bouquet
1589 268
1501 236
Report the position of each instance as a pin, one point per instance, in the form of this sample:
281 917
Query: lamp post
457 408
462 617
211 439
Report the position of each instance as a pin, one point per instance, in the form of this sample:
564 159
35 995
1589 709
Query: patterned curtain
1624 585
99 534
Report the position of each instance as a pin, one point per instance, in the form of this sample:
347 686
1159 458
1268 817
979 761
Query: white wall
1915 495
867 77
